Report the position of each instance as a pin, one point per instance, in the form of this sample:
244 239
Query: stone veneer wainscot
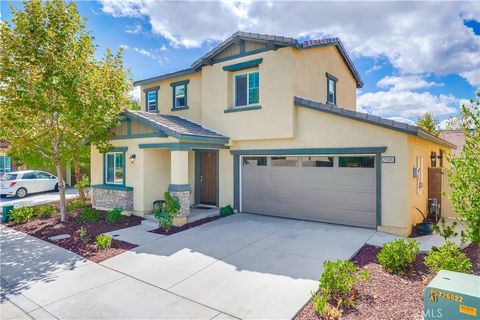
107 197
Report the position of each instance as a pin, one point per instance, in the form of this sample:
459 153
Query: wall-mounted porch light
132 158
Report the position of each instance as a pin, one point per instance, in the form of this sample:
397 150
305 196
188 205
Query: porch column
179 186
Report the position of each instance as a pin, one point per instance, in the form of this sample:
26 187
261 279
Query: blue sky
414 57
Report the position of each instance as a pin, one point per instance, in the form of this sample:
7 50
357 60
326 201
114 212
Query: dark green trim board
197 176
238 109
179 83
378 188
331 76
166 76
151 89
179 187
117 149
180 108
112 187
309 151
236 182
243 65
173 146
184 137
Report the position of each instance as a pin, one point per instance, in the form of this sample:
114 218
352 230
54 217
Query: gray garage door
320 188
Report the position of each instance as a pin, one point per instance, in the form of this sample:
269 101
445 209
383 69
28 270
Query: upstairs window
247 89
331 89
179 91
151 99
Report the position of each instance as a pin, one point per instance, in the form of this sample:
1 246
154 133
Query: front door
208 177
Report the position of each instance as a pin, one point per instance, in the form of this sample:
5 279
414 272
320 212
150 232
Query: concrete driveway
244 266
36 199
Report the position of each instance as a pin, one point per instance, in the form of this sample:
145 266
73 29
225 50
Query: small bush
104 241
320 302
114 216
444 230
46 211
399 255
167 211
77 204
226 211
448 257
82 233
88 215
22 214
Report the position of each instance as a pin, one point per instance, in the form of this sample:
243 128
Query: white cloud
135 93
124 46
135 29
408 82
416 37
406 104
152 54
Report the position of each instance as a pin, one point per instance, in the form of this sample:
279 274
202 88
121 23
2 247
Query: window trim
248 89
335 80
147 91
174 85
105 168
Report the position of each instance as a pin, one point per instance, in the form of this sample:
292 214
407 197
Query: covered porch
175 155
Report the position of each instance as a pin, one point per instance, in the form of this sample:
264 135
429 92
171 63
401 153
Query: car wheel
56 187
21 192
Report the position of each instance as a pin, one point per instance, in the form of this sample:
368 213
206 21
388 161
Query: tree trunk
78 178
61 191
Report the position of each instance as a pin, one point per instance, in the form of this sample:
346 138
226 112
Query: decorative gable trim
243 65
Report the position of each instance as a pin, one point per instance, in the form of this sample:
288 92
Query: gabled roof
378 121
272 42
279 41
176 127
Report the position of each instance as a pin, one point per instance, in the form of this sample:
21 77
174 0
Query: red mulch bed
45 228
386 296
187 226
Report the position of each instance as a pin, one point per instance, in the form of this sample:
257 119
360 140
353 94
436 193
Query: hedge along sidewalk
426 242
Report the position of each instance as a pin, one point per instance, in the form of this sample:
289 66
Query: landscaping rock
59 237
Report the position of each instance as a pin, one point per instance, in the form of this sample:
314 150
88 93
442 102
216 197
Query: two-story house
269 125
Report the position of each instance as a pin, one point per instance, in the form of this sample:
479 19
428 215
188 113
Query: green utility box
6 213
452 296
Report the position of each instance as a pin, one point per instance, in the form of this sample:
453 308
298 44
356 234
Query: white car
21 183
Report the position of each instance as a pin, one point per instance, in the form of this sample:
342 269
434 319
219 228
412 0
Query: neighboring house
269 125
457 137
6 163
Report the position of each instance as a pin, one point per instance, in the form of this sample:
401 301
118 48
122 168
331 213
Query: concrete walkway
244 266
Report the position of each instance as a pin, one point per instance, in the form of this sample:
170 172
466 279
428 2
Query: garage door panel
327 194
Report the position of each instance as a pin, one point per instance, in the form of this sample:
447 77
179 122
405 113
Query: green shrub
444 230
320 302
104 241
399 255
114 216
76 204
338 277
82 233
22 214
226 211
448 257
46 211
167 211
88 215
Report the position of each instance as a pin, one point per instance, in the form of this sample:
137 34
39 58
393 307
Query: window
8 177
247 89
255 161
318 161
433 159
114 167
440 157
284 161
151 98
43 175
356 162
28 176
331 89
180 96
5 164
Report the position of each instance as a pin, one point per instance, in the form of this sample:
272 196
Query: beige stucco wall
165 96
310 80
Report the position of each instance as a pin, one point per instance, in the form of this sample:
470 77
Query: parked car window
114 167
28 176
317 161
356 162
8 177
284 161
43 175
255 161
